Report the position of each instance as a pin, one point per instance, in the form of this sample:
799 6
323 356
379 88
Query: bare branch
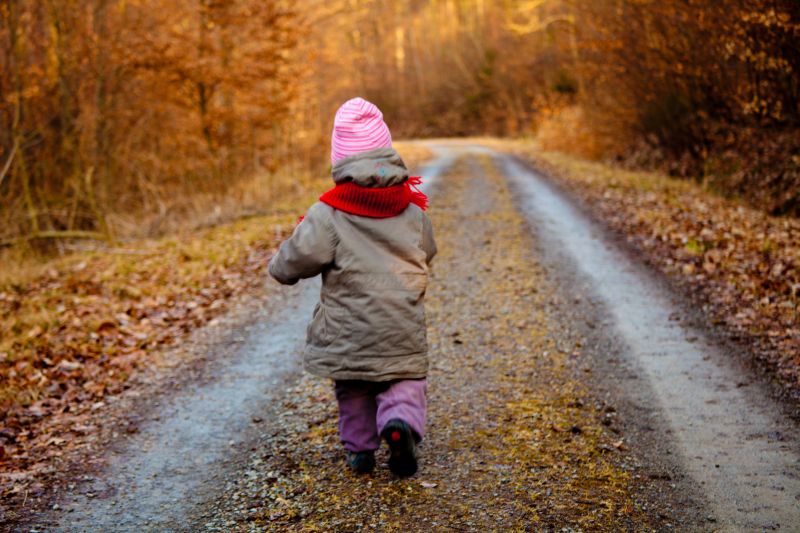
10 160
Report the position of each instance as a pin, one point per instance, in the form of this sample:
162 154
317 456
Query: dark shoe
401 441
361 462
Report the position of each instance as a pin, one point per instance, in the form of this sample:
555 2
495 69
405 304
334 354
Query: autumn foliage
703 88
109 106
124 117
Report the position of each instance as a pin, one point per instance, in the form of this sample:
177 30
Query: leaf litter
74 336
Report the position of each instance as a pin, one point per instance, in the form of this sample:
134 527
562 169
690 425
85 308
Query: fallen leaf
106 327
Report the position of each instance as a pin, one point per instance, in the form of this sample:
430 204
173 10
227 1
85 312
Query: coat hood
381 167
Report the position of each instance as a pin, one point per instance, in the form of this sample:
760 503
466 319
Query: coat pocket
325 326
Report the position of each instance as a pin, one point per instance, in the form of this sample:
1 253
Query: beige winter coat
370 321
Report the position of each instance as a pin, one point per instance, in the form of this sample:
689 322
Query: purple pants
366 406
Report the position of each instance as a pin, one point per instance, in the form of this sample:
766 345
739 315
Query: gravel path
549 409
516 440
171 464
732 438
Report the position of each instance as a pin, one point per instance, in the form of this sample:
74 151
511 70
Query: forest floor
561 395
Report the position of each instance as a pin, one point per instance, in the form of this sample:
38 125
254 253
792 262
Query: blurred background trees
112 105
705 89
122 117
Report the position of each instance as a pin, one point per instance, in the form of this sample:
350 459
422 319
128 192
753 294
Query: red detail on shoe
395 436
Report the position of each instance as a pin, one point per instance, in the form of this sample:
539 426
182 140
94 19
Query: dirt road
569 388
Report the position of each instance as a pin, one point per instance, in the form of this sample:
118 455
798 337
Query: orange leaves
166 104
74 334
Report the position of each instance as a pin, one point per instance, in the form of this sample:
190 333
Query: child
372 242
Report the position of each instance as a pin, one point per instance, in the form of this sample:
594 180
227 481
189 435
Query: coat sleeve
428 242
308 251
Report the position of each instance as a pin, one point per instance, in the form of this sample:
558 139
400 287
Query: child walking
372 242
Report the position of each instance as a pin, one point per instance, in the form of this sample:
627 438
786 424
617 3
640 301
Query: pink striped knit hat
358 127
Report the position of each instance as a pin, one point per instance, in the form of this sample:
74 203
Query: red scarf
376 202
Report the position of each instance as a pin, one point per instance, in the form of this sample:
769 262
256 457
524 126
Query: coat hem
364 376
369 375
